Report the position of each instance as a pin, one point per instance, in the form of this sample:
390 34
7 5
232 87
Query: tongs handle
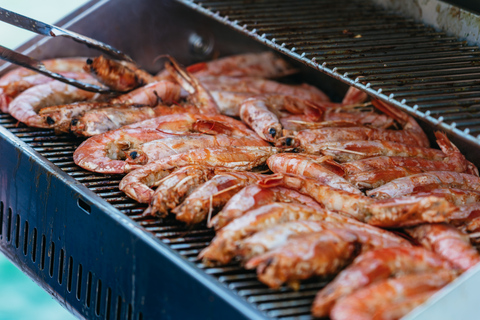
54 31
38 66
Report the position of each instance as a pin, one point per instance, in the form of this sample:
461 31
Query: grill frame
33 217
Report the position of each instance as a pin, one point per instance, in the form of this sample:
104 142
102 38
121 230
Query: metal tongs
53 31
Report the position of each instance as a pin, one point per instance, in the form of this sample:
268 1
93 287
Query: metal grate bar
388 56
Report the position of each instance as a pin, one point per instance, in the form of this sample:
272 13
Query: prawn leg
174 188
213 195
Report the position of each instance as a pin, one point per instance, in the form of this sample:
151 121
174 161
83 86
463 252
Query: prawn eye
50 121
133 155
289 141
272 132
89 61
74 122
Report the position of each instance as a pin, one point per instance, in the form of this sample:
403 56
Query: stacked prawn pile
196 143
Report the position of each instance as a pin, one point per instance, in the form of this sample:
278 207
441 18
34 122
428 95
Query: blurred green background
20 297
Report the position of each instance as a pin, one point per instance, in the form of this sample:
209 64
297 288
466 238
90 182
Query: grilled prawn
137 184
424 182
369 237
453 160
60 117
110 152
336 117
212 195
224 246
25 106
318 136
175 187
262 65
378 177
251 197
448 242
319 253
373 266
20 79
261 113
303 165
263 86
387 213
369 302
344 151
119 75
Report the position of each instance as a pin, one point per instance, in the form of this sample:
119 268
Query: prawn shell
448 242
317 136
409 211
137 183
344 151
364 303
424 182
174 188
264 86
318 253
223 247
373 266
302 165
376 178
276 236
121 76
165 92
19 79
60 117
253 196
368 236
25 106
385 163
265 123
102 153
397 310
262 65
333 199
213 195
97 121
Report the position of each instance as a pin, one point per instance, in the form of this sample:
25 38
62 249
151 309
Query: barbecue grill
86 243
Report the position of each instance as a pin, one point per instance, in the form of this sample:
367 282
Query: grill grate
188 242
416 68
